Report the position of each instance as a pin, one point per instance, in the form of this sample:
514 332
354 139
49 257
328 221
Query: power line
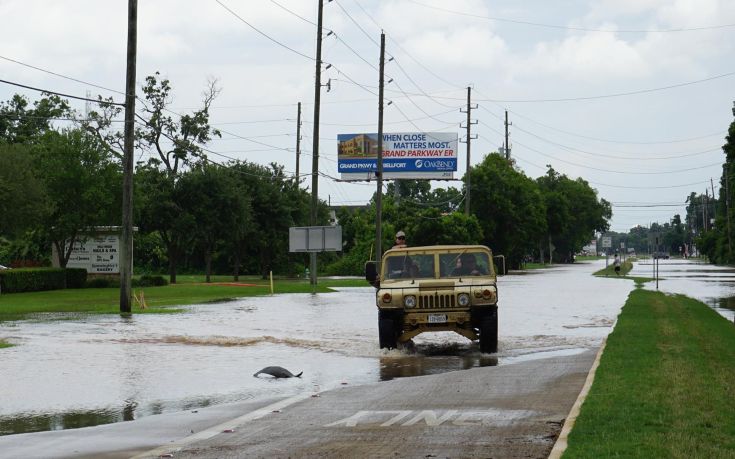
718 133
357 24
60 75
636 158
619 172
293 13
623 186
263 33
580 29
48 91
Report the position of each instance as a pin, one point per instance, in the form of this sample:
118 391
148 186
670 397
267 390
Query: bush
76 277
101 282
151 281
32 280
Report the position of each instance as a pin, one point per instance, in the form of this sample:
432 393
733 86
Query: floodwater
711 284
76 371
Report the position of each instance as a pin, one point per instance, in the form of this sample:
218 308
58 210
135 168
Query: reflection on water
66 420
725 303
432 359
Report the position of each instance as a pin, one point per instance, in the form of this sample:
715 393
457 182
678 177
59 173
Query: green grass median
192 290
665 387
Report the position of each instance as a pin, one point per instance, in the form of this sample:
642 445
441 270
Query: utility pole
126 252
379 172
714 207
315 144
727 208
298 141
703 200
507 145
468 125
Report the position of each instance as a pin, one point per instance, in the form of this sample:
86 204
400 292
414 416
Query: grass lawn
665 386
14 306
534 266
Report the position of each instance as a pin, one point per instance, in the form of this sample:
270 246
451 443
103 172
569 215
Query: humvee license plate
437 318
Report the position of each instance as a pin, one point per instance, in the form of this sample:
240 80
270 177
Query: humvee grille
437 301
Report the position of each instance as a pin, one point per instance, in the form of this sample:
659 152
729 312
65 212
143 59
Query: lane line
218 429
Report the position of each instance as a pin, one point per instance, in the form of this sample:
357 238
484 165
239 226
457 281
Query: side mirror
371 273
499 262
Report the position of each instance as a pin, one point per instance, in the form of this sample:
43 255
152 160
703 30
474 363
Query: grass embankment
665 386
190 290
625 268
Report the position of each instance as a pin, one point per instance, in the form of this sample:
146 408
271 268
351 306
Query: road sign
315 239
606 242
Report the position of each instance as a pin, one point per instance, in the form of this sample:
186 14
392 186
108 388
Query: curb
561 442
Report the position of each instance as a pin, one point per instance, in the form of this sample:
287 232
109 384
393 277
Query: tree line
61 172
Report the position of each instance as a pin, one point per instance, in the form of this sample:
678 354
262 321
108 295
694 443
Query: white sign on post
315 239
97 254
606 241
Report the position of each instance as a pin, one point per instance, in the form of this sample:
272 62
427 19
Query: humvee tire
489 334
387 333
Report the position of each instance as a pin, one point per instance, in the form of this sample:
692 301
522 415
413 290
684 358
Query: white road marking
490 417
230 425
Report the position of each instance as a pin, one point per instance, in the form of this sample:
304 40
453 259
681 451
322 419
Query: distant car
4 267
661 255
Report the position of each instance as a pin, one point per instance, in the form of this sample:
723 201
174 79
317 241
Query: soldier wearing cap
400 240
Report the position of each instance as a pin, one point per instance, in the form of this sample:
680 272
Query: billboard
406 155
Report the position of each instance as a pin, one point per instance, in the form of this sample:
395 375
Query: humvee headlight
387 297
463 299
409 301
488 294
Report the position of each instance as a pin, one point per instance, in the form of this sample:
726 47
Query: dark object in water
278 372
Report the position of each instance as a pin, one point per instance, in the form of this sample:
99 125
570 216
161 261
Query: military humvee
436 288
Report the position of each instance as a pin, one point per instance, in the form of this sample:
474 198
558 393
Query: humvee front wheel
489 334
387 333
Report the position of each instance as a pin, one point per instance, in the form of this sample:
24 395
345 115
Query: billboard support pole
315 138
379 172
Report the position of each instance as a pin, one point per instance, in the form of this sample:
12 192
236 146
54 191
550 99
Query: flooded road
711 284
95 369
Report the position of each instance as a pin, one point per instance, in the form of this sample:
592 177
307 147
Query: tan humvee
437 288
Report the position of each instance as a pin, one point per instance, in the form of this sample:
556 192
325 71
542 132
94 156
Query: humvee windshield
464 264
456 264
404 266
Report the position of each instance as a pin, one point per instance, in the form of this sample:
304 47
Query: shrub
32 279
101 282
76 277
151 281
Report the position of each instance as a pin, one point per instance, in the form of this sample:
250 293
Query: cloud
591 56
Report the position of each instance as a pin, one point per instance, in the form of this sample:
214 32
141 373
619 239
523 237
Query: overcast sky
558 67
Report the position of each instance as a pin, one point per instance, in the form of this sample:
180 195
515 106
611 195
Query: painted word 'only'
431 417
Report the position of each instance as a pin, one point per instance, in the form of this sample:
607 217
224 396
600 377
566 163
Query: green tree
20 123
509 207
23 199
277 203
718 246
573 213
83 184
161 210
210 195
